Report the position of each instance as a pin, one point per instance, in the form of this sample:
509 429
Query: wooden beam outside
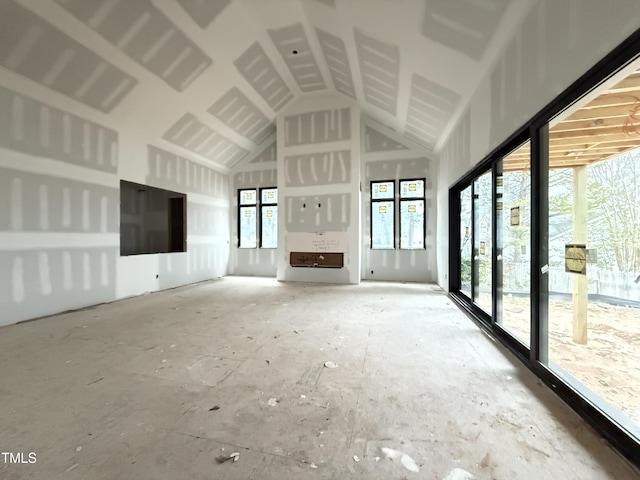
629 84
580 282
599 112
589 124
592 132
589 140
614 100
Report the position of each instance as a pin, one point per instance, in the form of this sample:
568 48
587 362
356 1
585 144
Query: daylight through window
412 224
249 226
383 215
411 206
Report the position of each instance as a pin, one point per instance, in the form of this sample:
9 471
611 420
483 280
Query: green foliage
465 271
614 207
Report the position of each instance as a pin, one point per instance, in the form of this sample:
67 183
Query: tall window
382 215
247 219
269 218
412 224
411 217
248 206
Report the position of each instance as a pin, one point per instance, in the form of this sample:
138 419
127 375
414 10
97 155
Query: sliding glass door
482 242
594 249
513 243
549 246
466 216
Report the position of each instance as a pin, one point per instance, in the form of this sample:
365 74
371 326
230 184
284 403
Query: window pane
483 242
382 190
382 220
248 197
411 188
269 195
513 244
412 224
248 237
269 223
594 251
465 241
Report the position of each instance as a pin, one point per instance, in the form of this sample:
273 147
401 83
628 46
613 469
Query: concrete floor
125 391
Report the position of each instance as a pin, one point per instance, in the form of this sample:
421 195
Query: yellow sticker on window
247 213
269 213
269 194
249 196
412 187
383 188
382 209
412 209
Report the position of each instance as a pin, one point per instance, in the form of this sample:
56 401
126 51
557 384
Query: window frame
259 219
258 204
535 357
372 202
424 211
240 207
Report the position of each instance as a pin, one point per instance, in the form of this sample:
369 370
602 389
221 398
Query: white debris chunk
459 474
406 461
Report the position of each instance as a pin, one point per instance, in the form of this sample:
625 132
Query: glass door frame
536 357
455 269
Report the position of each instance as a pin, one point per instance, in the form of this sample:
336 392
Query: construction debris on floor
420 391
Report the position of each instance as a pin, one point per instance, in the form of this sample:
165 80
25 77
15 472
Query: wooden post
580 282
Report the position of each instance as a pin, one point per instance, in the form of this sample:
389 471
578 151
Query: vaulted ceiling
209 77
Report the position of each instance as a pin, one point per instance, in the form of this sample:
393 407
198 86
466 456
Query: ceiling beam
590 134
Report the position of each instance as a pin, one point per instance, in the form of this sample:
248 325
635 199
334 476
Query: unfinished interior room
286 239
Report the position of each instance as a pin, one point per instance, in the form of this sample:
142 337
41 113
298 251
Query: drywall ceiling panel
236 111
430 108
257 69
335 55
379 67
267 155
293 46
466 26
145 34
35 49
331 3
374 141
190 133
203 12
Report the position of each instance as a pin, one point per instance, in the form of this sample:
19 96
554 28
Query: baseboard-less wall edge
91 307
251 275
